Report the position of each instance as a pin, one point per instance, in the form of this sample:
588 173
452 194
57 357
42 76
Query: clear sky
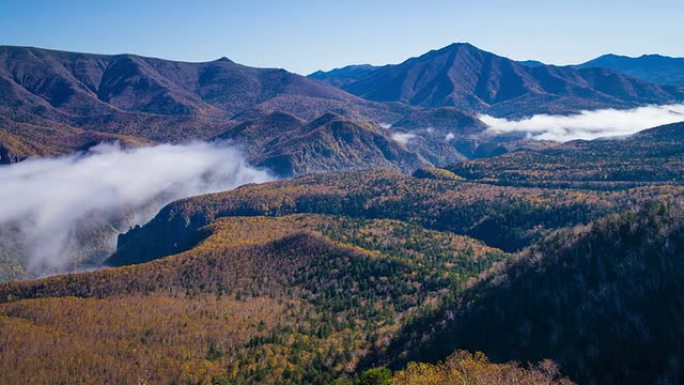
306 35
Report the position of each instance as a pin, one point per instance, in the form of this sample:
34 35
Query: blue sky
305 35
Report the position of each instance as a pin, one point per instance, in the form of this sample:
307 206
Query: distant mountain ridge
141 84
343 76
422 112
461 75
53 102
658 69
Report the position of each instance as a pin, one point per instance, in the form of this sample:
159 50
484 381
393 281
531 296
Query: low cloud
588 124
59 211
403 137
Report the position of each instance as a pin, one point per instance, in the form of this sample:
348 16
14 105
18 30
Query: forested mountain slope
505 217
295 300
297 281
290 146
651 156
601 300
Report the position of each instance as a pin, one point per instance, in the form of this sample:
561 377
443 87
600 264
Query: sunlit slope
297 299
652 156
509 218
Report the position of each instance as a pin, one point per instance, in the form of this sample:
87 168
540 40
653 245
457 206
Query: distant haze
588 124
51 209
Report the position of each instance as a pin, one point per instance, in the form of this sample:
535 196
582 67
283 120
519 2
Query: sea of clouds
588 124
53 210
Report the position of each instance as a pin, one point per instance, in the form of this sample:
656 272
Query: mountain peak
454 50
459 45
456 47
464 76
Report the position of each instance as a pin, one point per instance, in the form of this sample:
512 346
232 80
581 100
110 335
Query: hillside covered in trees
600 300
557 263
297 299
180 204
651 156
509 218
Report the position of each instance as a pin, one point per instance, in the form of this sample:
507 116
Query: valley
212 223
336 273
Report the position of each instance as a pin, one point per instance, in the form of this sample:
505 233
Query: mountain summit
462 75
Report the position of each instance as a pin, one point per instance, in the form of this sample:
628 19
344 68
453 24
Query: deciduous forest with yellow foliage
459 218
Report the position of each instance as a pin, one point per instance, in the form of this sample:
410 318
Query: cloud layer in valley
588 124
55 211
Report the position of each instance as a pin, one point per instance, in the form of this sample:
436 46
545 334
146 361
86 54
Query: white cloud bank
589 124
52 211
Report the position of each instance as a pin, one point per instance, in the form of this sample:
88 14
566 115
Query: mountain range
402 243
463 76
56 102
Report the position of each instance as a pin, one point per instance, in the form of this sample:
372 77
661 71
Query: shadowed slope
599 300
